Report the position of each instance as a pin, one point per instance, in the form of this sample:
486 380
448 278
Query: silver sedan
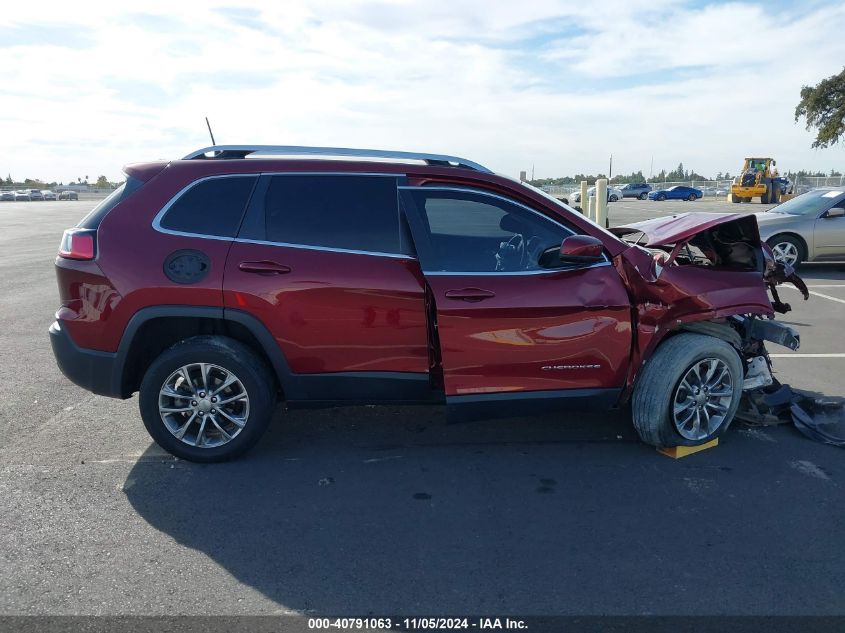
808 228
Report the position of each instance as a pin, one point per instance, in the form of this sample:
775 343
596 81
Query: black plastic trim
526 403
90 369
348 388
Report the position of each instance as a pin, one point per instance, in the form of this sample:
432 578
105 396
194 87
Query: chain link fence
714 188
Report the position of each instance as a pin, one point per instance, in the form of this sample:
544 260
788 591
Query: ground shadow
382 511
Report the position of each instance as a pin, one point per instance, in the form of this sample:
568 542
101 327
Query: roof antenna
210 133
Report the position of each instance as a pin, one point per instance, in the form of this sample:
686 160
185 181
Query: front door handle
264 267
470 294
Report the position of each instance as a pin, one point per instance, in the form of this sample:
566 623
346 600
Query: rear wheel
613 198
787 249
643 196
704 379
207 399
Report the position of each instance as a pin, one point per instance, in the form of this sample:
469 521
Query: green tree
103 183
823 108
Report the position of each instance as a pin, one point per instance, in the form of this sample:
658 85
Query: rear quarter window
93 219
214 207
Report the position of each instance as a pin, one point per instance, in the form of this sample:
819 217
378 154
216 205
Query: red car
239 276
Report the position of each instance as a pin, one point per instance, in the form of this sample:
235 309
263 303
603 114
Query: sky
553 86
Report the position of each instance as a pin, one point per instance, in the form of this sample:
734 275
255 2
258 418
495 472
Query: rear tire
211 360
663 397
643 196
735 199
613 199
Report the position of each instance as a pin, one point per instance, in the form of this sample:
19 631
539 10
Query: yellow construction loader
758 179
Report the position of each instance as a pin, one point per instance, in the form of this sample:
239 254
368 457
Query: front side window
347 212
211 207
477 232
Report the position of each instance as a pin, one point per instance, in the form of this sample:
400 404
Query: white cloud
557 84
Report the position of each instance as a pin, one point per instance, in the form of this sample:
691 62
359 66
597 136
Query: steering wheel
511 254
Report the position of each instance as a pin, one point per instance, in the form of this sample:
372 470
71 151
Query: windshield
564 206
810 203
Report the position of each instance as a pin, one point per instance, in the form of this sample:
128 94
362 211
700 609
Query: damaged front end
708 273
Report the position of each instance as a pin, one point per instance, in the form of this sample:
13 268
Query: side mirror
835 212
581 249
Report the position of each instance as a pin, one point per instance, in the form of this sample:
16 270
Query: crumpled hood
677 228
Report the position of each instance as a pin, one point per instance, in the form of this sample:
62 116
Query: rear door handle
470 294
264 267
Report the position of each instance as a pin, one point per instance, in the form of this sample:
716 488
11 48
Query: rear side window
350 212
93 219
211 207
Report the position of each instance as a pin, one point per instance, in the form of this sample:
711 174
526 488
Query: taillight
78 244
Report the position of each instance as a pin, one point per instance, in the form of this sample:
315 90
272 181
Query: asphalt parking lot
393 511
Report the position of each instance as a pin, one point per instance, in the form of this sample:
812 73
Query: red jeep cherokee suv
218 284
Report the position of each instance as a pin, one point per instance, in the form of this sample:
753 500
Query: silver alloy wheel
785 252
203 405
702 399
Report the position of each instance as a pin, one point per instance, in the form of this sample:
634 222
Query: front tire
613 199
661 197
207 399
691 197
688 392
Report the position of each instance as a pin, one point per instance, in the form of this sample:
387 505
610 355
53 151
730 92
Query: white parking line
807 355
826 285
818 294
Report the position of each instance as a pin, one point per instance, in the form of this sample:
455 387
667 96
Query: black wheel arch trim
119 388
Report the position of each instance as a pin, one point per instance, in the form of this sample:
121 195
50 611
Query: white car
48 195
613 194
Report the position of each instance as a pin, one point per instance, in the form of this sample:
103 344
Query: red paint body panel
335 312
682 294
577 324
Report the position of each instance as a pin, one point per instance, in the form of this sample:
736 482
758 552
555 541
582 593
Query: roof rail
242 151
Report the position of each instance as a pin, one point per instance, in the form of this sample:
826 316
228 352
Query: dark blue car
678 192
